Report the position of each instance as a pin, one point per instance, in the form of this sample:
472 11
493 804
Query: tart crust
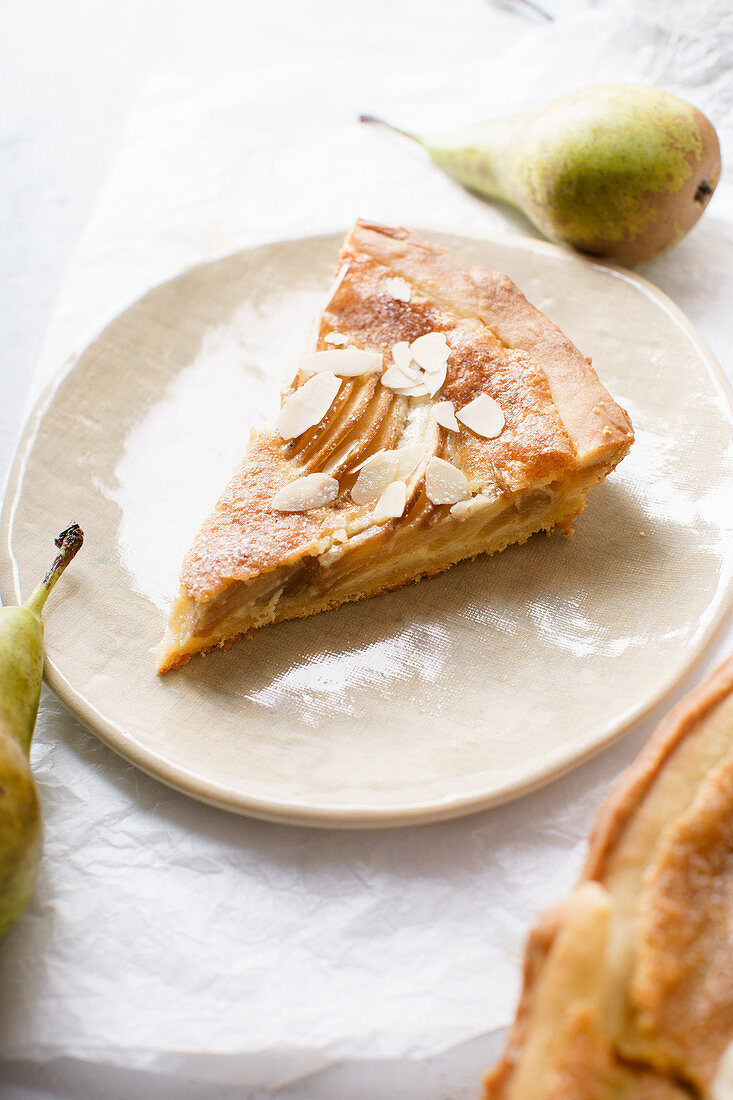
251 565
632 977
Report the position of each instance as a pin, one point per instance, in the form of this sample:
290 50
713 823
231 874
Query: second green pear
21 671
621 171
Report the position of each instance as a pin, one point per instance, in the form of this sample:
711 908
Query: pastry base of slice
628 986
531 429
370 564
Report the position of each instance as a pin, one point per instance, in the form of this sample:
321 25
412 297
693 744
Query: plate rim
344 815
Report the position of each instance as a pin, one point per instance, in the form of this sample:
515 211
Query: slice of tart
438 416
628 986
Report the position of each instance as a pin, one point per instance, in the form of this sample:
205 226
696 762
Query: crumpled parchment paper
167 938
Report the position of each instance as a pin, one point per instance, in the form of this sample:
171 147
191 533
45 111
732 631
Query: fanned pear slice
408 327
628 986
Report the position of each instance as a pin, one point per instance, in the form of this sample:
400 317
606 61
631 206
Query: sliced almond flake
467 507
407 459
363 463
345 362
336 338
308 405
374 459
438 368
445 483
413 372
394 379
434 382
392 502
445 413
430 351
408 368
483 416
374 477
399 288
305 493
401 354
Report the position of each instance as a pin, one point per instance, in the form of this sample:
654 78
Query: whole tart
628 985
437 415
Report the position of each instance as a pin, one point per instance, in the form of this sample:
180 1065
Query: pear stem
394 129
69 543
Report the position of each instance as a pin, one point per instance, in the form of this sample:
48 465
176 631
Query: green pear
21 670
621 171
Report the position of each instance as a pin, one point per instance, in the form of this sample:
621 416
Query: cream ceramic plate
446 697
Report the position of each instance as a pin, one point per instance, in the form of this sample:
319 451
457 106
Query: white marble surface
72 77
